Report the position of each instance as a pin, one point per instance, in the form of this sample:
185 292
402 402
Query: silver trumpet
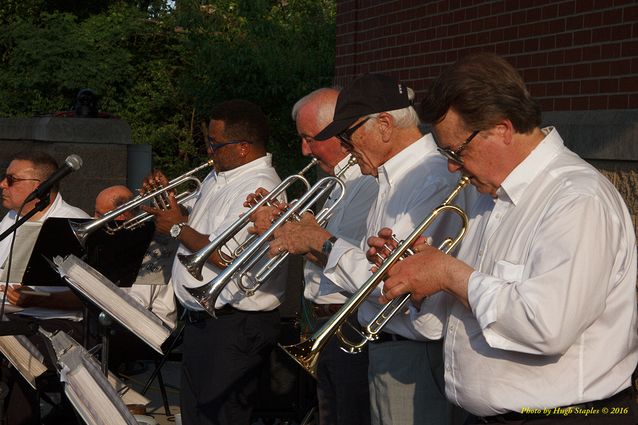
206 295
307 352
194 263
159 196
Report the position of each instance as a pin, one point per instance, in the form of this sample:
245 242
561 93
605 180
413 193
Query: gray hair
325 112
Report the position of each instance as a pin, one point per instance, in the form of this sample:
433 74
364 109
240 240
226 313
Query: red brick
563 72
628 84
630 14
549 11
505 20
633 101
600 69
546 74
555 57
619 101
518 17
581 70
593 20
608 85
621 32
571 87
574 22
598 102
567 8
539 59
516 46
546 105
583 6
591 53
564 40
573 55
530 75
611 17
621 67
537 90
528 30
582 37
556 26
547 43
580 103
562 104
531 45
533 15
554 89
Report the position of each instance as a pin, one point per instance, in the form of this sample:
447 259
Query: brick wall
579 59
574 55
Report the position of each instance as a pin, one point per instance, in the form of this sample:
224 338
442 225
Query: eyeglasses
11 180
455 155
346 136
214 146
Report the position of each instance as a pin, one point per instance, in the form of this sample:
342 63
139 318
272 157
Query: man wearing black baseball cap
374 119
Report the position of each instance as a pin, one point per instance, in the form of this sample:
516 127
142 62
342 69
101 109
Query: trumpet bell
304 354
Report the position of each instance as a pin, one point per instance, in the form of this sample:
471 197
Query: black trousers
342 384
222 361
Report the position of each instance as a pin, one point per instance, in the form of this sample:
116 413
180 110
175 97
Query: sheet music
114 301
95 400
23 355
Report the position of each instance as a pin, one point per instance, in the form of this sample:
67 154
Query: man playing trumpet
542 325
374 120
342 380
222 358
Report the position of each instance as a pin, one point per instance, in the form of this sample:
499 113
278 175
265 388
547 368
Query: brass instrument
194 263
307 353
83 230
207 294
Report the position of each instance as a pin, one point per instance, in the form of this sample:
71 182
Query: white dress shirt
411 185
219 205
553 298
348 221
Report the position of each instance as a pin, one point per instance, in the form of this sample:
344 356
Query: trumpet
194 263
207 294
306 353
83 230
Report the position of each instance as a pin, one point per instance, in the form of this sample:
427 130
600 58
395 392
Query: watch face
175 230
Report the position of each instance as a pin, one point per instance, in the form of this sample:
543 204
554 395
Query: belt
388 337
325 310
559 411
195 316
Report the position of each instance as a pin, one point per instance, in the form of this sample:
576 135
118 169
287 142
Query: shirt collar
230 175
515 184
394 168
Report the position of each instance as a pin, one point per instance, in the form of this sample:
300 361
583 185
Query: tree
161 69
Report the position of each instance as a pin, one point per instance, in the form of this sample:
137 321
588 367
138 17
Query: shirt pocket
508 271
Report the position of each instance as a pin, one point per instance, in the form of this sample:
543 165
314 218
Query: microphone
71 163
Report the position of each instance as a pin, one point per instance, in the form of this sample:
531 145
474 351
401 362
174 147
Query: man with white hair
375 121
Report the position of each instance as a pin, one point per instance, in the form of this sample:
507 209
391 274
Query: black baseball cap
368 94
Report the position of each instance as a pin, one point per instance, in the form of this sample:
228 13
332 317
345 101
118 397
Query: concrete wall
104 145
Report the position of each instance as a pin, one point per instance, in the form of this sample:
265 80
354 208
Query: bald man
110 198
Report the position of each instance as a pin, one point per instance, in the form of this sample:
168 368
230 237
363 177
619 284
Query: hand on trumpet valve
263 217
424 273
166 218
255 197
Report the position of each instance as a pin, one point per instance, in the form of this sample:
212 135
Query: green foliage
162 69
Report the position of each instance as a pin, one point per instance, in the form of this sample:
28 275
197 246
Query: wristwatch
177 229
327 245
